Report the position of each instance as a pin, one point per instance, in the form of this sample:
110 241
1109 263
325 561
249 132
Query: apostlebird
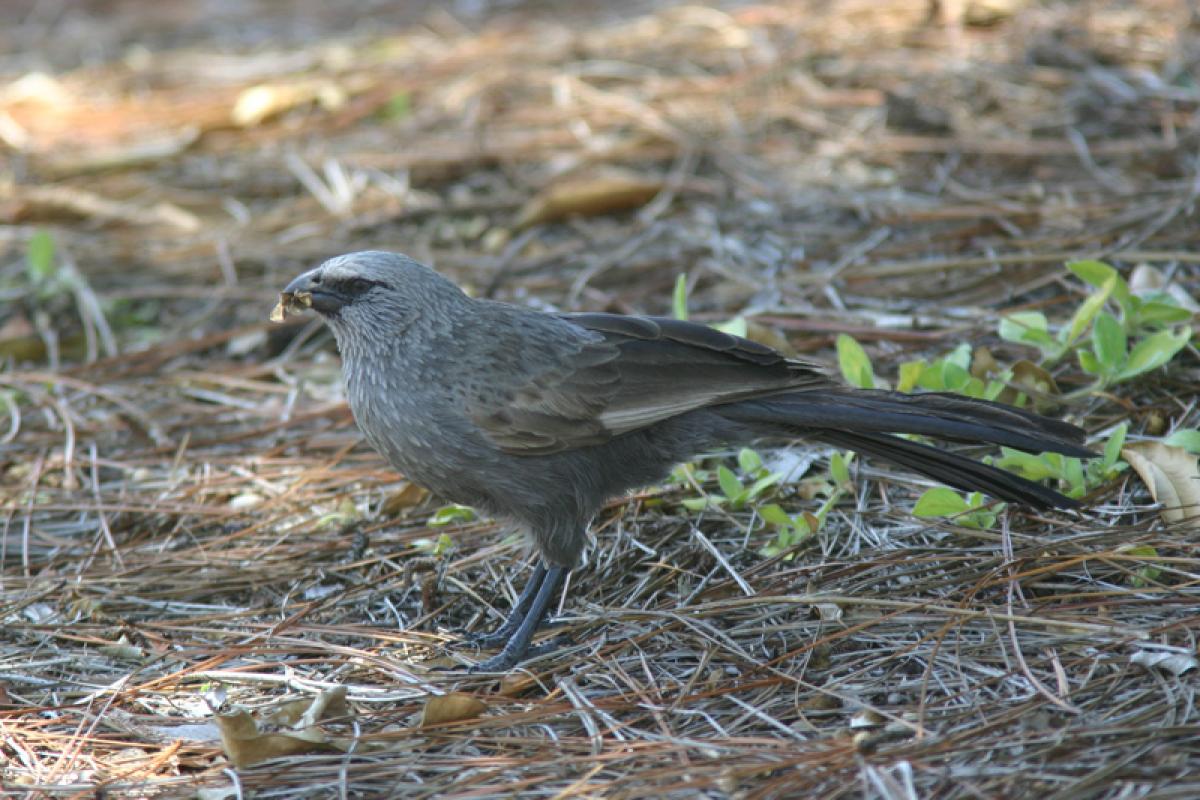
540 418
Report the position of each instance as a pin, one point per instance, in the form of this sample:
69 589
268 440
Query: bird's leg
517 646
502 634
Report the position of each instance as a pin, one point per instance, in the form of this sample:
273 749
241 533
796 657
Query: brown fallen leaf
589 196
453 707
1172 475
246 744
411 495
1034 381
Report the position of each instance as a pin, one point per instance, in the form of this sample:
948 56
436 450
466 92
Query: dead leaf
589 196
1174 663
515 684
453 707
1146 279
411 495
983 363
246 744
123 650
866 718
1171 474
1033 381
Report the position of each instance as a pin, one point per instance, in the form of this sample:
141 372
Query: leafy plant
1078 477
950 373
440 546
791 529
1106 353
1187 438
1147 574
735 493
40 262
679 298
970 511
451 514
855 363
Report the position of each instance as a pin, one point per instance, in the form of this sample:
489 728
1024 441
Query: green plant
1078 477
1187 438
855 363
451 514
735 494
950 373
1147 574
970 511
791 530
1106 353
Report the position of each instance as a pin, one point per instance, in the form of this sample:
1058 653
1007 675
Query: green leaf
696 503
1073 472
1187 438
1147 574
679 304
729 483
939 502
961 356
762 484
1108 342
973 387
1087 312
1158 312
1035 468
1154 351
1026 327
910 372
1097 273
931 377
1092 271
954 377
856 366
839 470
448 515
39 257
773 514
1112 448
734 327
1088 362
749 461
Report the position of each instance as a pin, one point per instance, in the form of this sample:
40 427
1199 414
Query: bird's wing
627 373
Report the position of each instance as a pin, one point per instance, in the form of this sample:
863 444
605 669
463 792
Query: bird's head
370 292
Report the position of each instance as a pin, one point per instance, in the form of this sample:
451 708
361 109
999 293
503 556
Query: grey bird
540 418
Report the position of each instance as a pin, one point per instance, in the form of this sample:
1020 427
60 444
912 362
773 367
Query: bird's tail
862 421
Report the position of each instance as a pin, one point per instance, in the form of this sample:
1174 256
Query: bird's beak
308 291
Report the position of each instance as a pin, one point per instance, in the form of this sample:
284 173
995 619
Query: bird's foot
509 657
500 636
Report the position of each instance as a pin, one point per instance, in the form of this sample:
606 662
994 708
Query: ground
193 531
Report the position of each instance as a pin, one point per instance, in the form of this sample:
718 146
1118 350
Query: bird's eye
359 285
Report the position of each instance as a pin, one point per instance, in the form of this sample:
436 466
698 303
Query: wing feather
614 374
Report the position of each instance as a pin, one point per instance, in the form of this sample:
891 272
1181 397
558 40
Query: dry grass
188 517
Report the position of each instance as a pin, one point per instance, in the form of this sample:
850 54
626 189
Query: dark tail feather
861 420
949 468
945 416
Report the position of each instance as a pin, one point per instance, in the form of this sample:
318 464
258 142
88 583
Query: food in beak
290 303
